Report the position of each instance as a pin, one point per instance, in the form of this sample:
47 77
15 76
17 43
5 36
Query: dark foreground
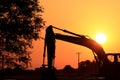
68 73
64 74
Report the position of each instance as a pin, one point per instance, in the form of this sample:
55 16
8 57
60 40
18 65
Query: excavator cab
114 57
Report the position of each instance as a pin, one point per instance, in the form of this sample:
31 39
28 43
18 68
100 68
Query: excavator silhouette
106 68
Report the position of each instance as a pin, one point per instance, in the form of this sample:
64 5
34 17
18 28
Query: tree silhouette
20 24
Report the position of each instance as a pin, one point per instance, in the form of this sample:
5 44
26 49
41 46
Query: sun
100 38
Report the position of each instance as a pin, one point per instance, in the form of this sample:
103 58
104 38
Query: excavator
106 68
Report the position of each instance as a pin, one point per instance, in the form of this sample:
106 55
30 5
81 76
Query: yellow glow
100 38
86 17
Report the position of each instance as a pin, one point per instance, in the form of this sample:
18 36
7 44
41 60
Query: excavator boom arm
86 42
76 39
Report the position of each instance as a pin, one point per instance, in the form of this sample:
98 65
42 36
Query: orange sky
87 17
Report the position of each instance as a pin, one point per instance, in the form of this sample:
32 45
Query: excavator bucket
50 45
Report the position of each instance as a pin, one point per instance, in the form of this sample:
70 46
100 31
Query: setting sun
100 38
